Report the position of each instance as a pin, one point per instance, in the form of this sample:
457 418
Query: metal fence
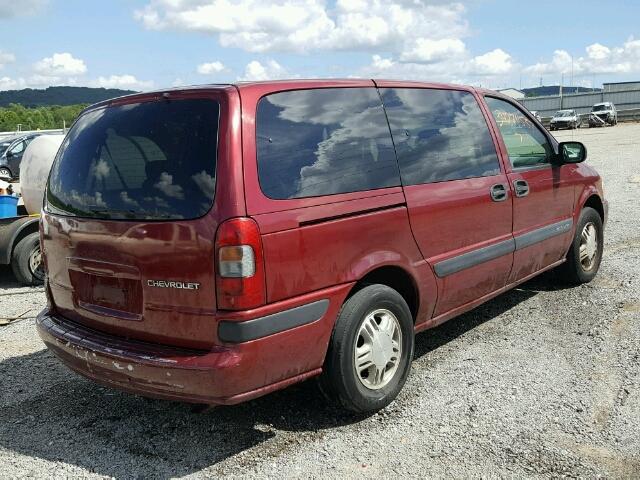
4 135
582 102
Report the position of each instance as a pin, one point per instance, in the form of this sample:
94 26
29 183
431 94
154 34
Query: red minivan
213 244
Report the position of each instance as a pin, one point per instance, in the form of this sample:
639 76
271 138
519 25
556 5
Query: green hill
30 97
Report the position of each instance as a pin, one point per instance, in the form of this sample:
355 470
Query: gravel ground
540 382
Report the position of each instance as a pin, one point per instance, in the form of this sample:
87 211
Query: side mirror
9 154
571 152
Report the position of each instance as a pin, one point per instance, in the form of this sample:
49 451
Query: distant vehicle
536 115
565 119
11 151
602 114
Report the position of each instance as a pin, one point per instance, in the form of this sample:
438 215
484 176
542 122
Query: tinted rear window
323 142
153 160
439 135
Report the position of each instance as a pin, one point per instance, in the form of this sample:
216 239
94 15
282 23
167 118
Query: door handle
498 192
521 188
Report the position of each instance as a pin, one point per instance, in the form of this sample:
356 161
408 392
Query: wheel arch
594 201
396 277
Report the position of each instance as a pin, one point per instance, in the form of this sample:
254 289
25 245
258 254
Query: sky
151 44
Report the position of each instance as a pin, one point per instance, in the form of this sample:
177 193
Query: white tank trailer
34 169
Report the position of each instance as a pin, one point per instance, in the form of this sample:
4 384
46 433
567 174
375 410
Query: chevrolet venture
214 244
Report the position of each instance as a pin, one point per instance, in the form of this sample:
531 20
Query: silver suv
565 119
602 114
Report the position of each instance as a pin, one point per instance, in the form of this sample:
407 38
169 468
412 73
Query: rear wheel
370 351
26 261
585 254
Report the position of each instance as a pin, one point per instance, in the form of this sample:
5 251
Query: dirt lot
542 381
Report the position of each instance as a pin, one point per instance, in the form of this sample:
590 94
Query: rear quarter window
323 142
151 160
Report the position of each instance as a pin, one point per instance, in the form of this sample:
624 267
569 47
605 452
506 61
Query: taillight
240 279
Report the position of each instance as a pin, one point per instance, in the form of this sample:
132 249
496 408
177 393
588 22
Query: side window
439 135
18 149
526 145
323 142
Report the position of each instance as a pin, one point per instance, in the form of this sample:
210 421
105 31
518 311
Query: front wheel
5 172
26 261
585 254
370 351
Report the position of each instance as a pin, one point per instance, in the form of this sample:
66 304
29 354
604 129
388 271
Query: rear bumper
226 374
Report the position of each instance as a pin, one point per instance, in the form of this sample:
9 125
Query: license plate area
106 291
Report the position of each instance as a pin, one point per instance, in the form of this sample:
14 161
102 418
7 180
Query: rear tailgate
130 220
148 281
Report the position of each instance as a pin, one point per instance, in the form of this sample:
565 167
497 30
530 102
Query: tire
576 271
22 260
5 172
362 392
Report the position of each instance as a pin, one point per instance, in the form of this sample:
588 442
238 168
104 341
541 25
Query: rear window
323 142
152 161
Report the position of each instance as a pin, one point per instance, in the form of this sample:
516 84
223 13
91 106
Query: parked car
215 244
536 115
12 150
602 114
565 119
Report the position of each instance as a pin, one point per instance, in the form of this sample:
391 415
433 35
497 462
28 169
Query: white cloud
6 57
307 25
270 70
382 63
7 83
60 64
495 62
560 63
427 50
457 67
45 80
13 8
211 68
598 59
129 82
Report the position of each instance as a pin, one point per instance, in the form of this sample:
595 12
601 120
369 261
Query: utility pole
572 71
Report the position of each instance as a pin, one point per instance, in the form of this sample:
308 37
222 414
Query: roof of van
299 83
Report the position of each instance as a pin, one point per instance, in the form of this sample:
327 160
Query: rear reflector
240 278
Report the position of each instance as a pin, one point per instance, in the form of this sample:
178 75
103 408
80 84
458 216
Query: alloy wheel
588 246
378 349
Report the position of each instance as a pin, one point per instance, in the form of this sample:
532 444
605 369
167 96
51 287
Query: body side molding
473 258
484 254
543 233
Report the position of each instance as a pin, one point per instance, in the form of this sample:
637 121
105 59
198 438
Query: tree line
38 118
